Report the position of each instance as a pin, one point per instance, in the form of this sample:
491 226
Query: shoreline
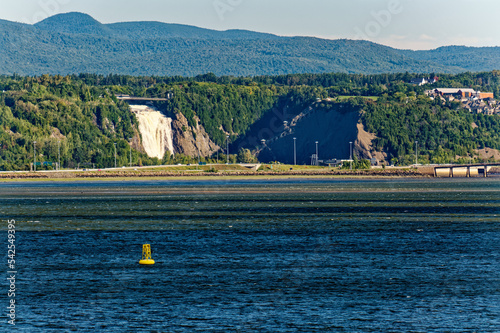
166 175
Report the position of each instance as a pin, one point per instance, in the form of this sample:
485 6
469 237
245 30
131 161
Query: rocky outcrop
333 129
488 154
363 146
191 141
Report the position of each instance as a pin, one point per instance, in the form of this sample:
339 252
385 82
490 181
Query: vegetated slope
443 132
77 43
474 59
79 23
74 23
68 120
82 114
400 116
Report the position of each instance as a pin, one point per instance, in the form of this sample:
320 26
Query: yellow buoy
146 255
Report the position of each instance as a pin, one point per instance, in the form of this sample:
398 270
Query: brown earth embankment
167 174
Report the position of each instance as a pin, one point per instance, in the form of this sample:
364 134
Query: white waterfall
156 130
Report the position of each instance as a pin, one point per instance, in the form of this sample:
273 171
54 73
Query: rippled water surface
257 256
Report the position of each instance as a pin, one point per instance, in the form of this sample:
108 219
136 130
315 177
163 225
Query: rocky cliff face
332 128
191 141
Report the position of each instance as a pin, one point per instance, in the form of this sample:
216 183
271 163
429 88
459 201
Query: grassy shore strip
115 175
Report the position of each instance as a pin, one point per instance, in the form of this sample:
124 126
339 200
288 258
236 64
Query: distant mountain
74 23
474 59
79 23
77 43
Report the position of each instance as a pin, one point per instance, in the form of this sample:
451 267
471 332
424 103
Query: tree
246 156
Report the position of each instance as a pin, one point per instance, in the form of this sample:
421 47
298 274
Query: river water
256 256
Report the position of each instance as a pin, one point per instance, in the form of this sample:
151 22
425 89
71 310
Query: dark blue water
257 256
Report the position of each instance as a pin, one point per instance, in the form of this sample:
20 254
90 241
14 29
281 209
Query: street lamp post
130 152
34 155
115 154
317 155
59 155
227 149
350 154
294 151
416 153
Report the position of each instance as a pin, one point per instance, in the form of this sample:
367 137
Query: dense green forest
442 132
76 43
337 84
67 119
78 119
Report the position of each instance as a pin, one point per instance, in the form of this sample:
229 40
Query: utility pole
130 152
227 149
59 155
115 154
416 153
350 154
294 151
317 155
34 155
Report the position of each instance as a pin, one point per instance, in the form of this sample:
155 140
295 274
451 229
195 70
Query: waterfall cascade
156 131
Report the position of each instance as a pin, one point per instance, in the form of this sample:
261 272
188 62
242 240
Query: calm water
256 256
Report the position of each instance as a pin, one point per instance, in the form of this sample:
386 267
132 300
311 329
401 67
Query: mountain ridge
77 43
75 22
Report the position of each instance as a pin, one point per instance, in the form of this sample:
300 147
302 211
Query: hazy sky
413 24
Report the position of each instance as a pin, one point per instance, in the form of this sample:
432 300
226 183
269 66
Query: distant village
474 101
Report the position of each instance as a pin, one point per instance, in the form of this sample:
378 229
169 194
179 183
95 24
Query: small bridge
459 170
253 167
146 99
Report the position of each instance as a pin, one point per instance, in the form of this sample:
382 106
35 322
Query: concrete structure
472 170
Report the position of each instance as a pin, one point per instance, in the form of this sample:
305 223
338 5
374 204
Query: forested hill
78 118
76 43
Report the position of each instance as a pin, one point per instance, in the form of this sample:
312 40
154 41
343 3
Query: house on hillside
420 81
483 95
459 92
